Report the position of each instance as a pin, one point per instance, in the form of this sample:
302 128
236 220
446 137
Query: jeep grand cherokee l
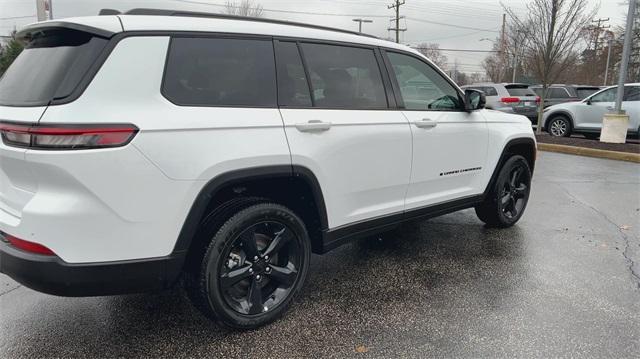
145 147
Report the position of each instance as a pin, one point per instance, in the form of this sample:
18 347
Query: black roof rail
162 12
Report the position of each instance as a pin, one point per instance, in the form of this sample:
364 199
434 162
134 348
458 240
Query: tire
508 197
591 136
559 126
254 266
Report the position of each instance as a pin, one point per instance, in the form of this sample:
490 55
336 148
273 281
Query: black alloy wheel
254 265
514 192
507 199
261 266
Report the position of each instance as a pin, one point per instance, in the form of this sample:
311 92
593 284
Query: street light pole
360 21
625 55
606 70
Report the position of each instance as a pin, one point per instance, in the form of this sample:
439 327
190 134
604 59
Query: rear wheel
255 264
508 198
559 126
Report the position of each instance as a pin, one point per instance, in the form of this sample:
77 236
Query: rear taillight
538 99
509 100
66 137
27 246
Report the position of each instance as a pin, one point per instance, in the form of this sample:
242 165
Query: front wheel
256 263
559 126
508 198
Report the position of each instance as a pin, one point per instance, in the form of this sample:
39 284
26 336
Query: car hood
498 116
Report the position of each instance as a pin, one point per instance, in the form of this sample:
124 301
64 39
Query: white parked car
137 148
585 117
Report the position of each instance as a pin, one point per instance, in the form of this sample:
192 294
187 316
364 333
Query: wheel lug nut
250 270
268 269
255 258
258 277
266 258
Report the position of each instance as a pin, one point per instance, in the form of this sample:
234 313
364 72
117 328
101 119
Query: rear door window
632 93
344 77
50 67
220 72
293 88
586 92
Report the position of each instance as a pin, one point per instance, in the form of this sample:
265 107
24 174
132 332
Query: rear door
340 125
449 144
631 105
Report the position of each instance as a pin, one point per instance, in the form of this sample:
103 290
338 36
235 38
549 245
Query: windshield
50 67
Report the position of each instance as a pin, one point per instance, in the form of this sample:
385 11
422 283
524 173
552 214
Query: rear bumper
51 275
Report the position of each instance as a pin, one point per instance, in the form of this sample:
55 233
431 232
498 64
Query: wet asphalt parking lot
562 283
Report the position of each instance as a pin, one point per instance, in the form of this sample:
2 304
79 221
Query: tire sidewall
225 238
505 172
565 120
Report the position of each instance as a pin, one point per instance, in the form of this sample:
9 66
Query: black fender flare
209 191
504 156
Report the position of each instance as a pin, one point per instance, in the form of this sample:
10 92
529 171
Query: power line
457 50
450 25
17 17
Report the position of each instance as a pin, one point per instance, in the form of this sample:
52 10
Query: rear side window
557 92
520 91
220 72
344 77
50 67
632 93
293 89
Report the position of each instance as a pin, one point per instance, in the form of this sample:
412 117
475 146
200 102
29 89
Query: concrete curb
590 152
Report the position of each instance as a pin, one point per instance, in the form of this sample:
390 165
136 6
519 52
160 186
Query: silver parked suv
510 98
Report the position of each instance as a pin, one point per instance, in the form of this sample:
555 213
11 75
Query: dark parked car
565 93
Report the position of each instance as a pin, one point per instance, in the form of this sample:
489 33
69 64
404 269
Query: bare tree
433 52
554 31
244 8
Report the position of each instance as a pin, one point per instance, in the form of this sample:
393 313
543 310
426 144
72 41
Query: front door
345 132
449 144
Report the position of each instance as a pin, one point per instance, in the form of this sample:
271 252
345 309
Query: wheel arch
523 146
264 182
557 113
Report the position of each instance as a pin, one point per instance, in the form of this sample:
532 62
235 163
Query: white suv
142 148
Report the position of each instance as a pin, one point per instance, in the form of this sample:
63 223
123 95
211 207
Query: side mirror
474 100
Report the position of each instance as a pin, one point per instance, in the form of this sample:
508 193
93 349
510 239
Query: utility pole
599 28
515 55
360 21
50 8
396 5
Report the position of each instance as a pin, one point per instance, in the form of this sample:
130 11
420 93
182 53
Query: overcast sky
470 21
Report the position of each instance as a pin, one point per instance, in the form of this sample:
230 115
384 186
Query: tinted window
421 86
632 93
488 91
220 72
586 92
520 91
537 90
293 89
605 96
50 67
556 92
344 77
